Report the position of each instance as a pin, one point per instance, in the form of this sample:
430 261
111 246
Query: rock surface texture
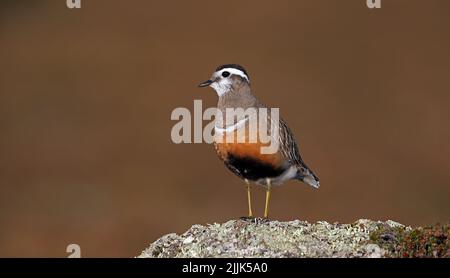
260 238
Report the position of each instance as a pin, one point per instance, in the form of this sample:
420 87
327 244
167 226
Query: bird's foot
255 220
247 218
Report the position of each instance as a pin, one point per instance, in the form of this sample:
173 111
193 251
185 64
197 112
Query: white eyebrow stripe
231 127
234 71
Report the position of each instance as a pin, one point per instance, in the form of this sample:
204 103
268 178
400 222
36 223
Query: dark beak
206 83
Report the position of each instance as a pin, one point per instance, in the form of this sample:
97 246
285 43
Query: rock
260 238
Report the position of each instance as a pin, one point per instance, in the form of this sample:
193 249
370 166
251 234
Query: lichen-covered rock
259 238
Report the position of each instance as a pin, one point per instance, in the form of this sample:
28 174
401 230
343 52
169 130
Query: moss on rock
421 242
260 238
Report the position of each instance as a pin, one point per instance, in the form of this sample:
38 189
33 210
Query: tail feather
311 181
307 176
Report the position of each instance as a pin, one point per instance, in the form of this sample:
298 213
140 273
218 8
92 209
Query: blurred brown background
86 97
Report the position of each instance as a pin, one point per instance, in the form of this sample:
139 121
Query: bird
245 159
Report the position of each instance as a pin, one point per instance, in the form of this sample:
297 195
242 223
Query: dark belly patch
252 169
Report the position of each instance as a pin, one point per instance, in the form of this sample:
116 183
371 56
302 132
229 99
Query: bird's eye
225 74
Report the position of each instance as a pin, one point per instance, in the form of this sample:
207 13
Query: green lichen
260 238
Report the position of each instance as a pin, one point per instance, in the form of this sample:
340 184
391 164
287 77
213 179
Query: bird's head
227 77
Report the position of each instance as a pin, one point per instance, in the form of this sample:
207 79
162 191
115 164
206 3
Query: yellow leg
266 209
249 199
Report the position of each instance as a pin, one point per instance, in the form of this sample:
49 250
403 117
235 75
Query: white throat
222 87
